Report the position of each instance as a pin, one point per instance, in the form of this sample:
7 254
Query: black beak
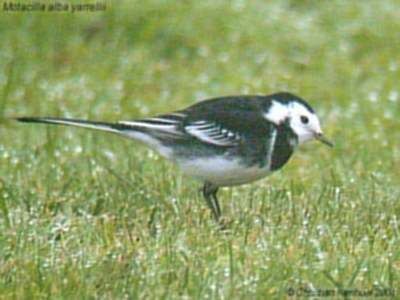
320 137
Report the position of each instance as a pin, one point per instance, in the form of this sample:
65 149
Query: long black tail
104 126
151 131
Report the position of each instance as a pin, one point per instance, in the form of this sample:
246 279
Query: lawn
87 214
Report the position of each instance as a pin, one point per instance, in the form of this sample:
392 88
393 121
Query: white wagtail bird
223 141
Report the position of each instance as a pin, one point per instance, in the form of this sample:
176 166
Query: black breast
284 146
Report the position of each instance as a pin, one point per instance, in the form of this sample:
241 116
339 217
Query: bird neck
285 144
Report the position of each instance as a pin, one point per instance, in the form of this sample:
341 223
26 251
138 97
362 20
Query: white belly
221 171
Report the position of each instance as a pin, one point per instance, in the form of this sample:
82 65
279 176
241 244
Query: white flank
149 141
222 171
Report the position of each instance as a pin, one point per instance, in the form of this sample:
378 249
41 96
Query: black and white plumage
223 141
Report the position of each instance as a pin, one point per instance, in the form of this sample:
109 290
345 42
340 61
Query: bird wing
226 121
186 125
212 133
222 122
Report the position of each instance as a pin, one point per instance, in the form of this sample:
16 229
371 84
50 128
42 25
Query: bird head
298 114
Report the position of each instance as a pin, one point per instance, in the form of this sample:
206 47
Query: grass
91 215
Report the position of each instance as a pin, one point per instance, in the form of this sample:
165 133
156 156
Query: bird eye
304 119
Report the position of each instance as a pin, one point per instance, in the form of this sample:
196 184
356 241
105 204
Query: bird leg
210 195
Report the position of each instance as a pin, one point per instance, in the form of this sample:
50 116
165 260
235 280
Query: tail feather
155 127
152 132
138 130
111 127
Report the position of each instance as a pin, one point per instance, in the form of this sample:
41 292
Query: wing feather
212 133
168 125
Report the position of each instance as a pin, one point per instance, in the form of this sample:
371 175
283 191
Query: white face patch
304 123
277 113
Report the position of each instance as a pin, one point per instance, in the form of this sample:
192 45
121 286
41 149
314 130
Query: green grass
90 215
